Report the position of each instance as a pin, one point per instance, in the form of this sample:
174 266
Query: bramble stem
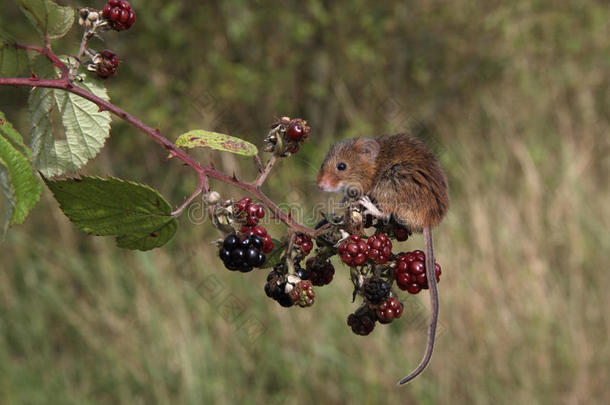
64 83
263 176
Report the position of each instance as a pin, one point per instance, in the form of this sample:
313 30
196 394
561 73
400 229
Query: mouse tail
431 276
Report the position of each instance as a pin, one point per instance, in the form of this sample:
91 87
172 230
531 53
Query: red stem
203 171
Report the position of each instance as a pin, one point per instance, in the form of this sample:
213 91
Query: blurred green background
513 96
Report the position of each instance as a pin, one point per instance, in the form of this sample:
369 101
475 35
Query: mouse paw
370 208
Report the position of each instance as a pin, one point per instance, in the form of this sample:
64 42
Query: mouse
394 177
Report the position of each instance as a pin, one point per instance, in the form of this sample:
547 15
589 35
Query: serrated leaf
14 137
199 138
13 61
275 256
48 17
85 127
136 214
9 198
18 175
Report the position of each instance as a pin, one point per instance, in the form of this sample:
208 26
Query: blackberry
410 272
354 251
304 242
262 233
362 321
380 248
321 271
389 310
303 294
303 273
243 253
248 212
275 288
119 14
376 290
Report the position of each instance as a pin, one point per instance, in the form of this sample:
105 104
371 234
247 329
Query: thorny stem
64 83
263 175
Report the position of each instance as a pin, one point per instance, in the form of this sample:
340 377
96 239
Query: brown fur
398 172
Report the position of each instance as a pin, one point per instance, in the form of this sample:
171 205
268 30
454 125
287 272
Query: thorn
234 177
101 108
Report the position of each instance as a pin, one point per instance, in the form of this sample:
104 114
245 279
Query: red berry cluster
380 248
254 212
389 310
304 241
107 65
303 294
262 233
410 272
354 251
321 272
119 14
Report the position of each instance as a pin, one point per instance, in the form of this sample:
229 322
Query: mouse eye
341 166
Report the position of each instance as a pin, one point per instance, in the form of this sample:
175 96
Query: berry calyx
303 294
410 272
304 242
389 310
242 253
262 233
106 64
362 322
353 251
321 271
375 290
380 248
119 14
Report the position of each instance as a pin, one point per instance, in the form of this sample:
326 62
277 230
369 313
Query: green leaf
275 256
48 17
13 61
199 138
9 197
19 185
84 127
137 215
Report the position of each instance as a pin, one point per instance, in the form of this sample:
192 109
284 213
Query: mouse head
350 167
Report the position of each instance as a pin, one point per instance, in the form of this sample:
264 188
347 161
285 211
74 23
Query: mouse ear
368 147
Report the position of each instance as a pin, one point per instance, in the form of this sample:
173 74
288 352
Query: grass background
514 97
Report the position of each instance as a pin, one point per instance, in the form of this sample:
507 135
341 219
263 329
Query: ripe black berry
242 253
275 288
303 273
410 272
321 271
380 248
362 321
119 14
376 290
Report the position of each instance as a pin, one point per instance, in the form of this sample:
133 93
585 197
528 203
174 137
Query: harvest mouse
397 177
